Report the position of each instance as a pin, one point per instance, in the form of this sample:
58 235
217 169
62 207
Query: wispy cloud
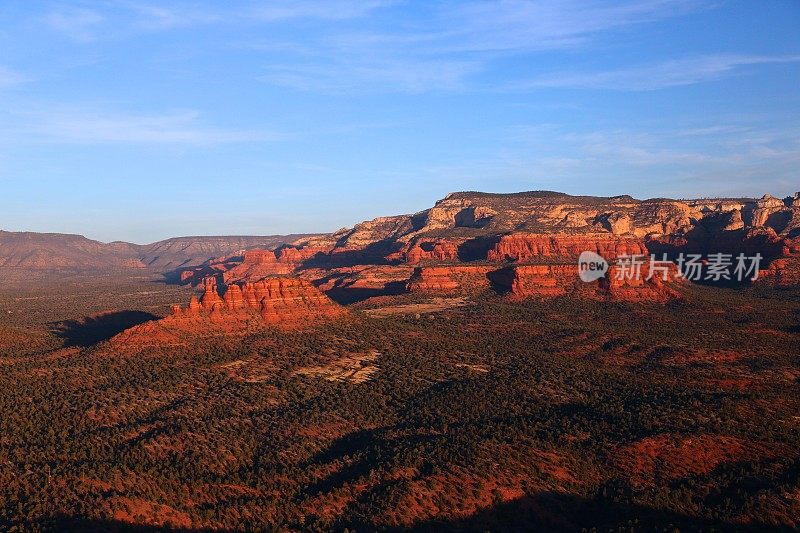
336 45
158 17
450 43
363 74
524 25
672 73
740 159
91 126
10 77
316 9
78 24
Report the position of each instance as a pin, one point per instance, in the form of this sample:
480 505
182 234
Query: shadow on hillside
478 248
91 330
500 280
551 511
176 277
351 295
373 254
87 525
544 511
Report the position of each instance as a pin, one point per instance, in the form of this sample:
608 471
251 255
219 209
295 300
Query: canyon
527 244
518 245
443 369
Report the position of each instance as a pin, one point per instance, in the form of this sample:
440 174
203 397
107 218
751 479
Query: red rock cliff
540 247
281 300
449 278
289 303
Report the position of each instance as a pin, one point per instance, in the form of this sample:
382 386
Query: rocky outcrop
430 250
548 281
765 210
705 241
536 281
463 278
278 300
372 231
784 272
297 254
532 229
288 303
257 264
374 277
643 288
562 247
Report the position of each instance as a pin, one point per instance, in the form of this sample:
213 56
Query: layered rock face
538 229
539 281
564 247
372 277
457 278
656 288
278 300
430 250
769 211
257 264
288 303
547 281
783 272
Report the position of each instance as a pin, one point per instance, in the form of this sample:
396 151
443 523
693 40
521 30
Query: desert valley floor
412 412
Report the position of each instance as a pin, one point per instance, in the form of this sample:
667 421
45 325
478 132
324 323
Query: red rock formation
429 250
526 281
210 295
296 255
376 277
449 279
277 300
288 303
233 298
550 280
257 264
532 247
765 208
432 280
784 272
617 286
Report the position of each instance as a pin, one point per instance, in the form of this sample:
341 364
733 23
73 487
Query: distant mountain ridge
62 251
448 230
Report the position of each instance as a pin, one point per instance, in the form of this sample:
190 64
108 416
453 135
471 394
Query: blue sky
139 120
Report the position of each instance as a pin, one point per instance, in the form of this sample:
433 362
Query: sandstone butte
283 302
524 245
531 241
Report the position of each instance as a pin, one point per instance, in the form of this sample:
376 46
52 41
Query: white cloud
316 9
88 126
672 73
745 160
336 45
156 17
78 24
445 44
520 25
345 76
11 78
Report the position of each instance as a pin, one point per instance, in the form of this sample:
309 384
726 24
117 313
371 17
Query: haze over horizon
137 121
